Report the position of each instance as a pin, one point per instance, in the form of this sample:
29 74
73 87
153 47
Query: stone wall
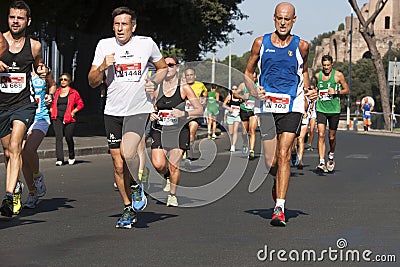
386 28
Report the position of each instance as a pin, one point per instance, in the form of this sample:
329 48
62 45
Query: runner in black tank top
165 136
19 63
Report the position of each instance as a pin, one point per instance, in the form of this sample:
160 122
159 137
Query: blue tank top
281 75
39 86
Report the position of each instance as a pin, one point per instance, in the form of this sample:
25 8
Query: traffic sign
394 72
358 102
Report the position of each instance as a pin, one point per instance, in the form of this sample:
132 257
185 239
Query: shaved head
287 7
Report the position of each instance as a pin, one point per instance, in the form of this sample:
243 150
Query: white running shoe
322 167
172 201
167 186
71 161
330 165
232 148
31 202
40 187
59 163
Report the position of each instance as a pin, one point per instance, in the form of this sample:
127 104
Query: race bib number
367 113
324 96
37 99
128 70
249 104
235 111
188 106
166 118
12 83
276 103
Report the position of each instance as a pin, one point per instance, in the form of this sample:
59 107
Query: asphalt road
356 209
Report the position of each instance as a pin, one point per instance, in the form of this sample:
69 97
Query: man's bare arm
3 45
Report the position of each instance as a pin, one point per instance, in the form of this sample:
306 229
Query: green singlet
212 105
329 104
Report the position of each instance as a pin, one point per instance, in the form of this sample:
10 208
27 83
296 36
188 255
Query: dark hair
327 58
19 4
68 76
124 10
174 58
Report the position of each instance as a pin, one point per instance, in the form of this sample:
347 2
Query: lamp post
230 63
349 79
394 89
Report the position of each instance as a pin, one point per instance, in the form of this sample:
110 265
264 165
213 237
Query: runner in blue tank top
43 90
282 59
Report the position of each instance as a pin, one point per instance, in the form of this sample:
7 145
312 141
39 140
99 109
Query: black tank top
20 62
233 102
167 103
62 103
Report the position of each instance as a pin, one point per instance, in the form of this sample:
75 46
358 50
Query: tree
367 31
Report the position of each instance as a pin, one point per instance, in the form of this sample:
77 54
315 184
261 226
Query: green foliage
341 27
193 26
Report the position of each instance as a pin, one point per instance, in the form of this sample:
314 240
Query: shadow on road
267 213
44 205
145 218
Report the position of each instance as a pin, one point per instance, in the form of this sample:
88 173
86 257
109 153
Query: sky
314 17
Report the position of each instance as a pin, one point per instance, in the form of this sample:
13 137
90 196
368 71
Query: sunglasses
171 65
64 79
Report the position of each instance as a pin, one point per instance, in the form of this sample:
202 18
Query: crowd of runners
149 96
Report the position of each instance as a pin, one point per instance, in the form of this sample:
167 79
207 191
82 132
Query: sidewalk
86 144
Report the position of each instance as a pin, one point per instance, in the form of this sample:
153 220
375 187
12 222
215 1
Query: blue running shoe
127 219
139 199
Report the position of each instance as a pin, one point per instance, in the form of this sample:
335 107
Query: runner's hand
108 61
154 117
149 86
261 92
3 66
48 99
311 94
42 70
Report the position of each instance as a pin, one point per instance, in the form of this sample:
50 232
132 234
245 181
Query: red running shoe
274 191
278 217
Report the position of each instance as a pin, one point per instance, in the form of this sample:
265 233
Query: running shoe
245 150
330 165
278 217
139 199
322 167
209 136
188 162
172 201
17 206
300 166
127 219
293 158
167 186
232 148
310 148
252 155
40 187
71 161
274 191
6 208
213 136
31 201
115 186
59 163
297 162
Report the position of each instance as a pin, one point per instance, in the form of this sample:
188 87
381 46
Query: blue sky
313 18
